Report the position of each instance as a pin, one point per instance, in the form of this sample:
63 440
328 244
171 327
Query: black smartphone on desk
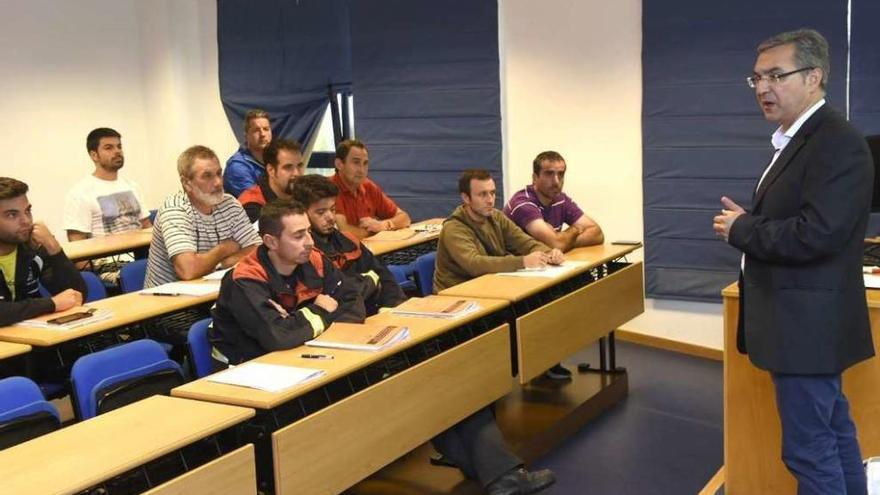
61 320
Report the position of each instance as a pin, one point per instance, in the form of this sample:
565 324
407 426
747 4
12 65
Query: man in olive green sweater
478 239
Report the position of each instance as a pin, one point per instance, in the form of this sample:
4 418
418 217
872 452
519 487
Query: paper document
872 469
872 281
262 376
549 271
427 227
436 307
360 337
184 289
218 275
95 315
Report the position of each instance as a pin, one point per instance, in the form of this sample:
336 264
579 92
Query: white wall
147 69
571 81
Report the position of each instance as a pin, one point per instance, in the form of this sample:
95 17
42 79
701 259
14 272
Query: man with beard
376 283
200 228
245 167
30 255
542 209
104 203
282 294
284 163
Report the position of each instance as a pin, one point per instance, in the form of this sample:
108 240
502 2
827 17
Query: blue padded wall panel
703 134
865 66
426 96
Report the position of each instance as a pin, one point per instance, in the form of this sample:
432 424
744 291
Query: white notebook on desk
184 289
263 376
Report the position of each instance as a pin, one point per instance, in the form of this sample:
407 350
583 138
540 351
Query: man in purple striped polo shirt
542 208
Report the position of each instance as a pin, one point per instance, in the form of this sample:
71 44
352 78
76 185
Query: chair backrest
132 275
401 276
200 348
24 413
96 288
109 379
425 272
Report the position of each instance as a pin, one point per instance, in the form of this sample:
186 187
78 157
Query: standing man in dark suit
804 317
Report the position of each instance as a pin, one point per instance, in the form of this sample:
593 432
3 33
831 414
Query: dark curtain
703 134
426 96
281 56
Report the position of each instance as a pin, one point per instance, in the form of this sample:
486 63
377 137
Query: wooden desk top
518 288
125 309
872 295
78 456
411 238
8 349
344 361
98 247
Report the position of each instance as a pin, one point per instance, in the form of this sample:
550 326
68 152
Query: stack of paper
95 315
217 275
435 307
360 337
183 289
549 271
262 376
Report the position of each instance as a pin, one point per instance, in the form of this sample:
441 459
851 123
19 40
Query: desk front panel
233 474
556 330
752 433
333 449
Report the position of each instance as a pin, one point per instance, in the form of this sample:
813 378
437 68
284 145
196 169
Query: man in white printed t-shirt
198 229
104 203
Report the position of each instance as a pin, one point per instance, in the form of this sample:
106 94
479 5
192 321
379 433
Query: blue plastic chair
401 276
200 348
24 412
109 379
425 272
132 275
96 288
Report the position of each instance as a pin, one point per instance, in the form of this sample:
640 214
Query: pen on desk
316 356
164 293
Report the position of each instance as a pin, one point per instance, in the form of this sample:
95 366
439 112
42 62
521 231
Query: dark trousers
819 443
476 446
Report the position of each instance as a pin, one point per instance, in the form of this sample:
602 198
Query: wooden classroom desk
550 332
92 452
404 238
9 349
98 247
345 440
752 434
126 309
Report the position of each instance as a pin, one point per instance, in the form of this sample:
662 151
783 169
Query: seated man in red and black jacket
377 285
30 255
281 295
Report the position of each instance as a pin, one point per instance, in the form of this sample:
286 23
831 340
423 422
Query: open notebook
360 337
434 307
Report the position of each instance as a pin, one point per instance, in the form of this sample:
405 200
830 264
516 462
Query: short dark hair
274 211
545 156
270 154
311 188
464 182
254 114
11 188
810 50
344 147
94 137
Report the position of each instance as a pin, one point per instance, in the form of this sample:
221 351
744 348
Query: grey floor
665 438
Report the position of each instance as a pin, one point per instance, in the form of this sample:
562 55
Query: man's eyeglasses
772 79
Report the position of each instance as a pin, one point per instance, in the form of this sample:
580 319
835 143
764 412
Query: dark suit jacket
802 291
